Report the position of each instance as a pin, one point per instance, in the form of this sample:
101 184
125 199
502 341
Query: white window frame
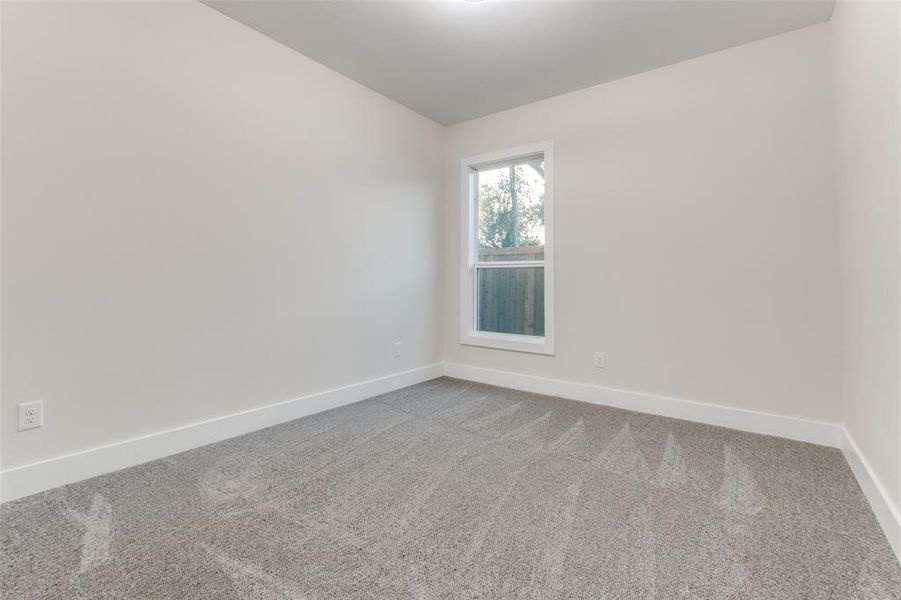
469 333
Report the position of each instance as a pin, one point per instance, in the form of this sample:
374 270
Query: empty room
450 299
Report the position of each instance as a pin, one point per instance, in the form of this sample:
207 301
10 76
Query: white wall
867 46
203 221
198 220
696 229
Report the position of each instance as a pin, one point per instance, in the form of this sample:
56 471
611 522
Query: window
507 298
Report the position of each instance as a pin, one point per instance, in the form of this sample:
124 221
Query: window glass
511 300
511 211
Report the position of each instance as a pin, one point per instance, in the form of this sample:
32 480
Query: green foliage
496 226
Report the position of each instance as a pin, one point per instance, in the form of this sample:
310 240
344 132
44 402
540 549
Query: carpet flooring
451 489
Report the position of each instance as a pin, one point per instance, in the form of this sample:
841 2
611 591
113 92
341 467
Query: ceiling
455 60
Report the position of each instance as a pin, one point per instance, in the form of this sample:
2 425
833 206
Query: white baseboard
886 512
25 480
793 428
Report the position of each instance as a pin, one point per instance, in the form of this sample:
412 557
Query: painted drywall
696 230
867 57
198 220
454 61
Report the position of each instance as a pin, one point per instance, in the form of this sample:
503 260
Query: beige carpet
456 490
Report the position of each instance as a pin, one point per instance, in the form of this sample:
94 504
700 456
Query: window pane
511 212
511 300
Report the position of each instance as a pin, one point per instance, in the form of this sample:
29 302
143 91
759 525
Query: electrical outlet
600 361
31 415
396 349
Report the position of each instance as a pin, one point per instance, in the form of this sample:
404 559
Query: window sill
505 341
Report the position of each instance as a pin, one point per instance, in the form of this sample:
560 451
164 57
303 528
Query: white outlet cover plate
31 415
600 361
